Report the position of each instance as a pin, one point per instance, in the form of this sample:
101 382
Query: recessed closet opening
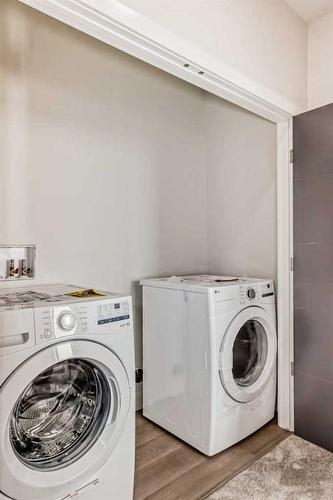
117 170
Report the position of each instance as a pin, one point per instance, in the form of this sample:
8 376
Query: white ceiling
310 9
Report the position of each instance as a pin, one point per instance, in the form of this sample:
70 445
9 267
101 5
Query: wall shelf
17 262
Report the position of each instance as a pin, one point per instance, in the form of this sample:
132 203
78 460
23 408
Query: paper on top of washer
35 296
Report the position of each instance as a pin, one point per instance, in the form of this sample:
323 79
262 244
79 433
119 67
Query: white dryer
67 404
209 357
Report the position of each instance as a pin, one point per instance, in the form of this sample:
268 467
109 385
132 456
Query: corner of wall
320 62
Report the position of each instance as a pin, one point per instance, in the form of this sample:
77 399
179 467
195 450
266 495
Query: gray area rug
294 470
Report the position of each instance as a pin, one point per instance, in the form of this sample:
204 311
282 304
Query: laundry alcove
117 170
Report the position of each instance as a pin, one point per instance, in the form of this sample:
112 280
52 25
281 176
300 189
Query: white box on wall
18 254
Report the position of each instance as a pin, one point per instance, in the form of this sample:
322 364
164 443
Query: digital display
112 312
112 320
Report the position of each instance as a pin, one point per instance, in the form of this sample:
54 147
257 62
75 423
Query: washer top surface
201 282
47 295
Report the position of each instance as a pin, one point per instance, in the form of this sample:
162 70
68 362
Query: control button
84 327
47 334
251 293
67 321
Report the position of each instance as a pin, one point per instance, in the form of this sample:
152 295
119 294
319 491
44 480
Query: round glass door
249 353
60 414
63 412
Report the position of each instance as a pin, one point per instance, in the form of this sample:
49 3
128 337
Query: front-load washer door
62 414
247 354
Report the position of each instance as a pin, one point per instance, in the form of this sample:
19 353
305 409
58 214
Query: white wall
262 39
102 160
241 191
118 171
320 60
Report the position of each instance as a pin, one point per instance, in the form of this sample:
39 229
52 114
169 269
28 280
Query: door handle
116 406
14 340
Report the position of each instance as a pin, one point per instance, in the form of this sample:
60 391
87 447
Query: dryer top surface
202 282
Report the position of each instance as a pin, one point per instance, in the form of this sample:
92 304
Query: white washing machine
209 357
67 404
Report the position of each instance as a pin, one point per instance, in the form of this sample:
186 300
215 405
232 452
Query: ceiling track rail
122 28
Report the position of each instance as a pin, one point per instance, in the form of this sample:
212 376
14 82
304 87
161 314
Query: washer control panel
44 325
67 321
112 312
87 318
82 317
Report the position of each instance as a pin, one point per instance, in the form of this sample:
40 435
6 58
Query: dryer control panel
241 295
267 292
257 293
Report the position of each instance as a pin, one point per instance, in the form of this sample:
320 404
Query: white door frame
121 27
285 282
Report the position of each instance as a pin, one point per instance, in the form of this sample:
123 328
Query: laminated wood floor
169 469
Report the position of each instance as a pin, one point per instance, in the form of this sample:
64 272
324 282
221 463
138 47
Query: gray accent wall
313 250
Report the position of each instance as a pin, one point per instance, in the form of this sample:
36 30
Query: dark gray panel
314 263
314 195
313 336
313 277
306 295
313 409
313 140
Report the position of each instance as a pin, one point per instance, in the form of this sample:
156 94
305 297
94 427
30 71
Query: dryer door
62 414
247 354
